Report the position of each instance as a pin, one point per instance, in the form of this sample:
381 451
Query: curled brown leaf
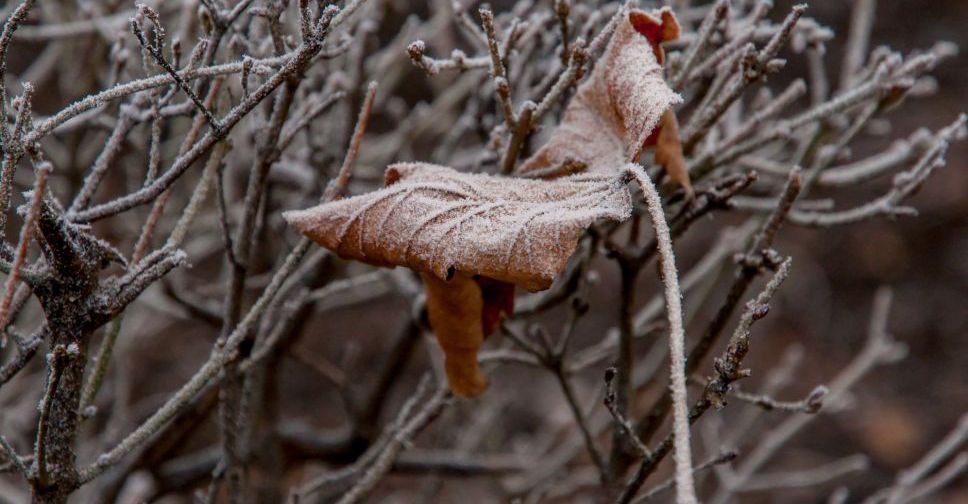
616 111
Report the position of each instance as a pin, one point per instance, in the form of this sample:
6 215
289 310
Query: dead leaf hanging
455 309
435 219
473 236
623 106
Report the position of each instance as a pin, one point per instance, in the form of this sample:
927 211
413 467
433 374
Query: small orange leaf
668 152
455 309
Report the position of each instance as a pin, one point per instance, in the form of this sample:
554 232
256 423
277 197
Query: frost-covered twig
619 417
338 184
721 458
810 404
56 358
879 349
457 61
397 442
728 370
916 481
12 458
808 478
10 26
685 488
20 257
715 16
858 40
498 70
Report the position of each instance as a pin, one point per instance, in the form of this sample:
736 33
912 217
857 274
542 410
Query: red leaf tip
658 27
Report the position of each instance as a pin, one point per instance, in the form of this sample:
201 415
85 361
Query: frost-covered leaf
435 219
472 236
616 112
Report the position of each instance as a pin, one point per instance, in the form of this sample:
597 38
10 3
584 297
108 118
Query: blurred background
343 351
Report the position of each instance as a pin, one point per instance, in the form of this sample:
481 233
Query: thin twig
623 422
715 16
498 71
722 458
13 458
155 52
9 28
56 359
810 404
295 65
338 185
26 232
685 487
858 40
880 348
728 370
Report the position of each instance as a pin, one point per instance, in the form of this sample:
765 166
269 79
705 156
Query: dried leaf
435 219
498 300
616 112
455 309
473 237
668 152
